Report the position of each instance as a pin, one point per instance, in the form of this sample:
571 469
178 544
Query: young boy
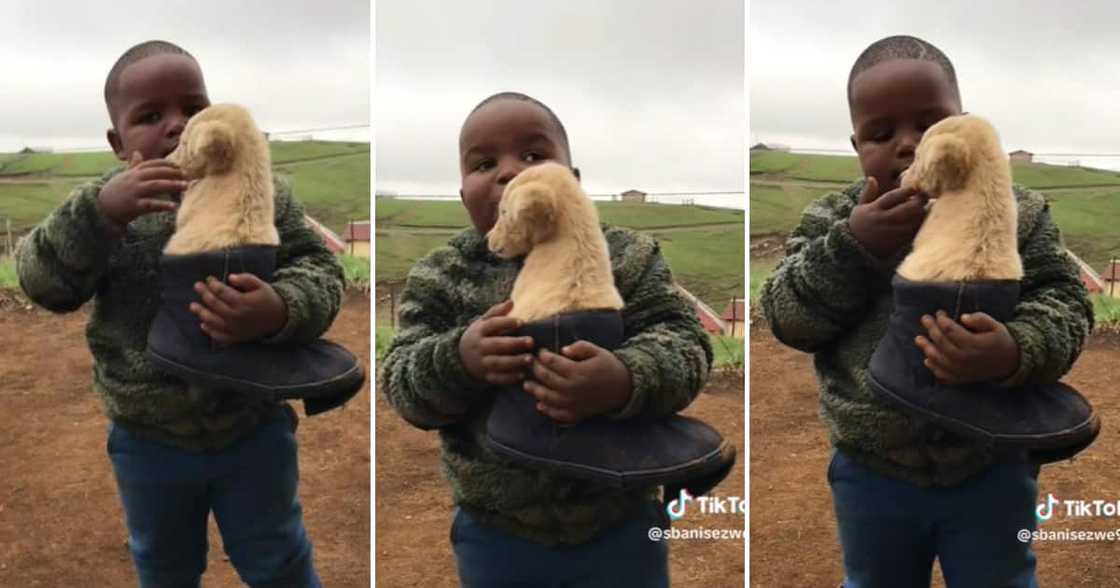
178 451
516 526
905 493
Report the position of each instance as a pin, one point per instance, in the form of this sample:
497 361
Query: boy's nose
509 170
177 126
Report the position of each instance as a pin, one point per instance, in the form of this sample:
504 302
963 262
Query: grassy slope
708 260
331 179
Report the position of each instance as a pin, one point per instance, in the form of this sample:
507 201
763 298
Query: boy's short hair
131 56
902 47
526 98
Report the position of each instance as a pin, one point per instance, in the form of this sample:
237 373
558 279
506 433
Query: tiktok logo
1045 510
676 507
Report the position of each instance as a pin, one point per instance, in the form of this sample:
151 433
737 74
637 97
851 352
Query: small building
735 318
357 239
1092 280
330 238
709 320
1110 279
633 196
759 147
1021 156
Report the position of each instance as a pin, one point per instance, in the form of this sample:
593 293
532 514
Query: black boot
322 373
1051 421
675 451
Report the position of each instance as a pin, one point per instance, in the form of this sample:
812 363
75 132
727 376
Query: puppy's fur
229 201
545 214
970 230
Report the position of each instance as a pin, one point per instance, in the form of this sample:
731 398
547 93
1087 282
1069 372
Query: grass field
330 178
451 214
703 246
8 272
1084 202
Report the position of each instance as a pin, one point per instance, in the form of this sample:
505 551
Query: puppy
545 215
229 202
970 230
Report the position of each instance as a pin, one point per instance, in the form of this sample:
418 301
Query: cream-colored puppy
545 214
970 230
229 200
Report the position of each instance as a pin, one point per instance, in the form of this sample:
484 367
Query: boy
904 493
179 451
516 526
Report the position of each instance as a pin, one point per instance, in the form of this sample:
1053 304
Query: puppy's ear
212 141
948 160
534 207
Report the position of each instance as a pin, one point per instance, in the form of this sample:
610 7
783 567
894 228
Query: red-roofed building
735 318
1089 277
333 241
357 239
708 317
1110 278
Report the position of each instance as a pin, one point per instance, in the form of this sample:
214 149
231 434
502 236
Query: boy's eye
533 156
149 118
483 165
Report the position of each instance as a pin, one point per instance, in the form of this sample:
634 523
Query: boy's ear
115 142
213 142
852 138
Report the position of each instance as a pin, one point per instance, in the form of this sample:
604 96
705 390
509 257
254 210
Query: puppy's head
529 209
950 153
214 140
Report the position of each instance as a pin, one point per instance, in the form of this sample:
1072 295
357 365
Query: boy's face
153 99
892 104
497 142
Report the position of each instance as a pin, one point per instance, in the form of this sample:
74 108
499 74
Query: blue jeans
168 494
891 531
620 557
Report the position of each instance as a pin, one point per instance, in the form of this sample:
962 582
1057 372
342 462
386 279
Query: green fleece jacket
71 257
832 298
667 352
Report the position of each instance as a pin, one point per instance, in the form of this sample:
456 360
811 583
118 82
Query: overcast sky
1046 73
295 64
650 91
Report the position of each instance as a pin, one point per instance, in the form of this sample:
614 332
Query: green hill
330 178
1085 202
703 246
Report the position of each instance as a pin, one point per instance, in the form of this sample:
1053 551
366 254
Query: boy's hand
490 357
978 349
585 381
130 194
248 311
884 224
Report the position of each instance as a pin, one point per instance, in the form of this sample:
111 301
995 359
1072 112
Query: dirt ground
61 523
414 509
793 530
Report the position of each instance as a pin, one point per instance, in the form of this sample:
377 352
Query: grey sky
651 92
1047 74
295 64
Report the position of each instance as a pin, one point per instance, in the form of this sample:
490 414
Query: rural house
1021 156
1110 278
1092 280
633 196
356 236
709 320
735 318
332 240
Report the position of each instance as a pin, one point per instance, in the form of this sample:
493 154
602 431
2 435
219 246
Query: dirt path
414 506
61 523
793 531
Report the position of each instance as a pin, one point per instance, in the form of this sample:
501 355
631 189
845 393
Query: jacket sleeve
667 351
308 277
422 374
1055 315
825 284
60 263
